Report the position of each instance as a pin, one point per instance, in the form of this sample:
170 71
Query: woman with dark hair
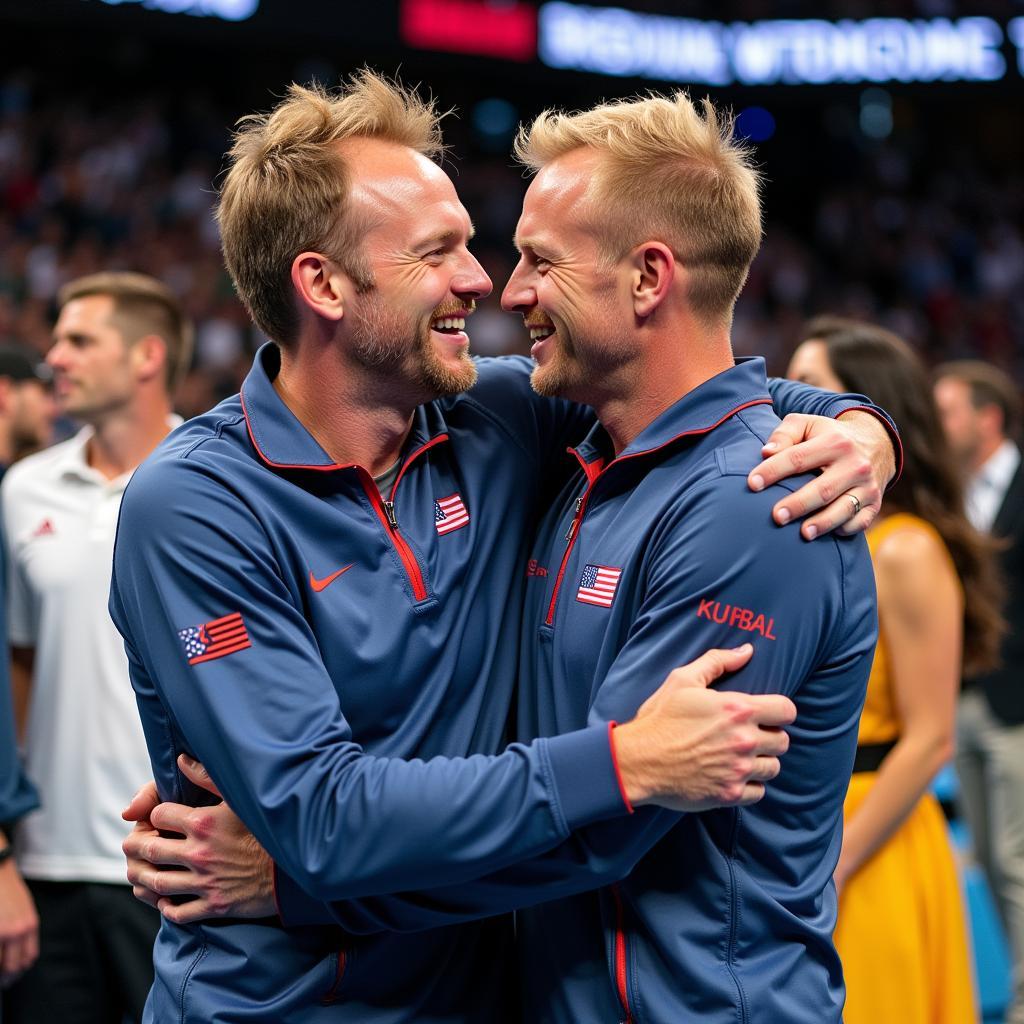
901 932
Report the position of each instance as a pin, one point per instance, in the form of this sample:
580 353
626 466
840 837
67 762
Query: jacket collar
697 412
281 440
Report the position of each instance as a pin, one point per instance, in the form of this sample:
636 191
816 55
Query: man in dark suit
981 412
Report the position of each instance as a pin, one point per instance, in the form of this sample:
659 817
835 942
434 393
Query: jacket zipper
385 510
574 527
621 976
733 919
593 471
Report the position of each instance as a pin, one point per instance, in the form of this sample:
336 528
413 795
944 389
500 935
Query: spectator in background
26 405
901 932
922 232
19 924
981 413
119 345
26 420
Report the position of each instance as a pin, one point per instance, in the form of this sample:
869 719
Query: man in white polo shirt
120 344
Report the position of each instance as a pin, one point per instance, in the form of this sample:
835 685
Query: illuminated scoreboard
614 41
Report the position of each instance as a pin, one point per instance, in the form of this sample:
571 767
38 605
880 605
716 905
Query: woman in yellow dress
901 932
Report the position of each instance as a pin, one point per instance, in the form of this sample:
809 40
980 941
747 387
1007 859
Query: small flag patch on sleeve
450 513
598 585
214 639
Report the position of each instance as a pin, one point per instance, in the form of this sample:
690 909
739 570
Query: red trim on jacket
331 996
621 958
284 465
601 469
273 882
615 765
897 443
405 553
419 451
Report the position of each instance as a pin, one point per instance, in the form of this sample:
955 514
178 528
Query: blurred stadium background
890 135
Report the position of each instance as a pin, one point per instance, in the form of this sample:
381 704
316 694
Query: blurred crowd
931 249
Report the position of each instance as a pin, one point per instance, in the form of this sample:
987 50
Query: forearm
589 859
688 748
331 822
902 780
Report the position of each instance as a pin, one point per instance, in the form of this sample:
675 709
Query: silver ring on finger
855 505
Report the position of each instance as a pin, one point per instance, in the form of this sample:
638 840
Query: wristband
6 853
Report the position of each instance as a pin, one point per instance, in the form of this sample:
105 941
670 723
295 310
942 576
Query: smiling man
319 586
636 237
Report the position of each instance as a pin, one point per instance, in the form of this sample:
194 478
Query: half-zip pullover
350 734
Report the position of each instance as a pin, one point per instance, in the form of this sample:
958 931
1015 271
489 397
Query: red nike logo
319 585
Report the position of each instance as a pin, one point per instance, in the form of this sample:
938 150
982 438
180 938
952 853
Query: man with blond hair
119 346
318 584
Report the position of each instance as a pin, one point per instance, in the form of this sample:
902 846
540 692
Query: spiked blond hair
670 172
286 190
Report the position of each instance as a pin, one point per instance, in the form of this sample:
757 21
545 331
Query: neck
671 366
353 416
124 439
984 453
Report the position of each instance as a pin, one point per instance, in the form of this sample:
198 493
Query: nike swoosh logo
319 585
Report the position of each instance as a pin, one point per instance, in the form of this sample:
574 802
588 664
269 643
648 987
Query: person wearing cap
26 404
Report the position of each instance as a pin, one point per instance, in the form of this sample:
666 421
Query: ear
653 267
319 285
6 387
149 356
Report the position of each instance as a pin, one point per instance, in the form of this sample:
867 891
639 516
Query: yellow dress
901 932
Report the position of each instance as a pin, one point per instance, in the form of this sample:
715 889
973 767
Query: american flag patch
598 585
450 513
214 639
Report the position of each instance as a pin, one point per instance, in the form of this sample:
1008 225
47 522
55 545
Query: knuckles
217 905
200 858
827 490
732 793
863 470
744 745
798 459
202 824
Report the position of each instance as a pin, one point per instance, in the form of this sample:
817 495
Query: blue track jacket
724 917
300 634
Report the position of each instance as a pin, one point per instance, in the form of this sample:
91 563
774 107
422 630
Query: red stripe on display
506 30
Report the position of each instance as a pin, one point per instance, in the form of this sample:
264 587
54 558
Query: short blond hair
668 173
287 186
142 306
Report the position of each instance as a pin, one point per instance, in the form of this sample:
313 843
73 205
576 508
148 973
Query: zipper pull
389 511
575 519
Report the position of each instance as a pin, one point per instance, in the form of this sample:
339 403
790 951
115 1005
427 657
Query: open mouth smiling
448 324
